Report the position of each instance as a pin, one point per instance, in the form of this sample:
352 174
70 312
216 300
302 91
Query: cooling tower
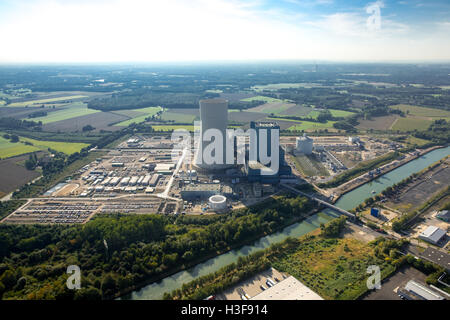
213 115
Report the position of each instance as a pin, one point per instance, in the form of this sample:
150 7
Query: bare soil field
99 120
245 116
417 192
378 123
297 111
21 112
272 107
14 175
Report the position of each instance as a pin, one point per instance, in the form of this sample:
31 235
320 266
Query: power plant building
213 115
304 144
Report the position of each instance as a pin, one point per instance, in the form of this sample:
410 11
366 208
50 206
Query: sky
92 31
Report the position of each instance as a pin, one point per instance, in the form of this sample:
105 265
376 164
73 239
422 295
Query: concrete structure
154 180
432 234
217 202
304 144
213 115
288 289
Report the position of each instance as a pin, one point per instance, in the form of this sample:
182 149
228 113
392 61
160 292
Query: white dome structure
217 202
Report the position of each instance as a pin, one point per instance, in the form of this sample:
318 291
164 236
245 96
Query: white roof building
288 289
422 291
432 234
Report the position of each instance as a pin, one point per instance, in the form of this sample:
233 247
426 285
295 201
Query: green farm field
422 111
39 102
9 149
177 117
410 124
149 111
309 125
262 98
74 110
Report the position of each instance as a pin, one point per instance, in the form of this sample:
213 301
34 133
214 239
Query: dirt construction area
421 189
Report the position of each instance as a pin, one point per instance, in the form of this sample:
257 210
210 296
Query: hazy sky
190 30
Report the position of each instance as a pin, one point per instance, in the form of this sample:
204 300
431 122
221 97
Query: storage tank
213 115
304 144
217 202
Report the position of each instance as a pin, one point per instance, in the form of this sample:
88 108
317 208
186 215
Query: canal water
347 202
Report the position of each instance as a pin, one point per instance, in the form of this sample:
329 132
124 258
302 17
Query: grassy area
308 125
149 111
66 147
177 117
416 141
334 268
422 111
9 149
410 124
37 103
262 98
170 128
75 110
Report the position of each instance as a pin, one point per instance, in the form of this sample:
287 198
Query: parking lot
390 286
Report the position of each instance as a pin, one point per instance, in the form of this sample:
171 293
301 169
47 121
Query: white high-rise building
213 115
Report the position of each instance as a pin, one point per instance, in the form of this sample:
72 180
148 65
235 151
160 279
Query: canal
347 202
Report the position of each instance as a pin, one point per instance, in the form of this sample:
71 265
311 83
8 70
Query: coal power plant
213 115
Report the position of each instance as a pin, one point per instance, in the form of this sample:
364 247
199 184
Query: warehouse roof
422 291
288 289
433 233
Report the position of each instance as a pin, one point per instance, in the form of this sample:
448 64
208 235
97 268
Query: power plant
304 144
213 115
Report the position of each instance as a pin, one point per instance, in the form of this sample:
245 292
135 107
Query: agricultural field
377 123
297 111
236 97
311 126
9 149
245 116
172 127
272 107
14 174
177 117
73 110
66 147
334 268
262 98
428 113
278 86
147 112
410 124
39 102
99 120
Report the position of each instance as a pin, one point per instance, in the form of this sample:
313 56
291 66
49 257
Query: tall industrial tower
213 115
